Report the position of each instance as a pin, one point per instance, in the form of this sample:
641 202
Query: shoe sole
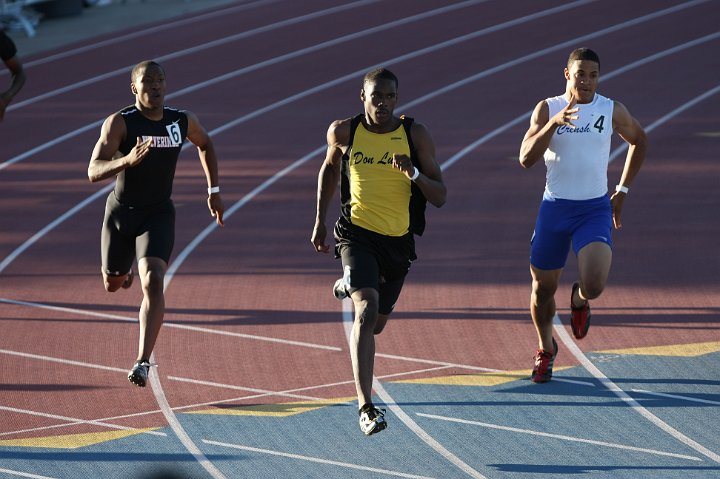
379 426
137 379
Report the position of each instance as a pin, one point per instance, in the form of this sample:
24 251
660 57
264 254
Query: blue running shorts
561 223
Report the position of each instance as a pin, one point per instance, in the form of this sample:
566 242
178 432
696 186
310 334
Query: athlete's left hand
216 207
616 201
404 164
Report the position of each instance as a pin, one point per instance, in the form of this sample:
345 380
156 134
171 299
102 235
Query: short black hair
583 54
143 66
380 74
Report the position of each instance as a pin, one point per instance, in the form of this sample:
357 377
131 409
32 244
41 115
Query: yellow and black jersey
374 195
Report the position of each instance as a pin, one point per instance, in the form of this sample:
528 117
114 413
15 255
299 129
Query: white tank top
577 159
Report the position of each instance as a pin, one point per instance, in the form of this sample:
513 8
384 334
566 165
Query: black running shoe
138 375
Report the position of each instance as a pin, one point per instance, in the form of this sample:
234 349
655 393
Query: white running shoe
372 419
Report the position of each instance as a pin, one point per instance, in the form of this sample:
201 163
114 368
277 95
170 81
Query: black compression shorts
374 261
130 232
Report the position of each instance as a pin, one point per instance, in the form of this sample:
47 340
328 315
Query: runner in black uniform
8 54
140 145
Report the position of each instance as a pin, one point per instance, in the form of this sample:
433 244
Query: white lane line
160 398
51 226
24 474
441 363
290 393
77 421
561 437
315 459
170 324
263 392
311 91
177 428
615 389
68 362
660 121
194 50
348 320
677 396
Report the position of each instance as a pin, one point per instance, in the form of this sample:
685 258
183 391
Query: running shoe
579 317
542 372
340 290
372 419
138 375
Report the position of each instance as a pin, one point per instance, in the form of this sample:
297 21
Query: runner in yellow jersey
386 168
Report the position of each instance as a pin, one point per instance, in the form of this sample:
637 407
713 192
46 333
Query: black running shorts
374 261
130 232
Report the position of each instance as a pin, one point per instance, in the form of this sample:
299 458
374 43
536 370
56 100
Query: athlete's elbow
526 161
641 141
439 200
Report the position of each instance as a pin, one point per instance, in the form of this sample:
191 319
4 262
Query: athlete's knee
112 283
543 291
153 281
111 286
366 308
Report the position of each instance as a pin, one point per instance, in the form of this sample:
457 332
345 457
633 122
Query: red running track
256 286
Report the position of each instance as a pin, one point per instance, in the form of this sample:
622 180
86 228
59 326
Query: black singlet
150 182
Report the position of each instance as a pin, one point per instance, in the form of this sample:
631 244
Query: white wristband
415 175
622 189
213 189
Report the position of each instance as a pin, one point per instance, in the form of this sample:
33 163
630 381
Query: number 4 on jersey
599 124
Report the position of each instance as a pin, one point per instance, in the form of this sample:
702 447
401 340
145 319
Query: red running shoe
579 317
542 372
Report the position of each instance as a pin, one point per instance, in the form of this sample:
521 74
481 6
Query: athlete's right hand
567 114
139 151
318 238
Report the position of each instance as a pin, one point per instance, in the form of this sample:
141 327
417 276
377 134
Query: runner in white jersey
571 132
